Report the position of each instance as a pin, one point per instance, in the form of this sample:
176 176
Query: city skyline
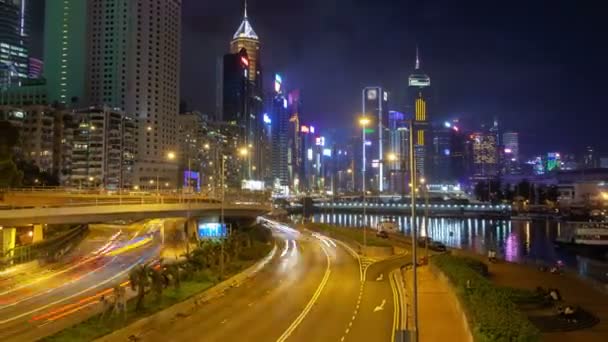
340 172
531 71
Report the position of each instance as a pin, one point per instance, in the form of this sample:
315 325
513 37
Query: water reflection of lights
516 241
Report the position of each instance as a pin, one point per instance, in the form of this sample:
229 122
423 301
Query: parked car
437 246
382 233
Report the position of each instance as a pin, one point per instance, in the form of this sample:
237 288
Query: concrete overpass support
9 236
191 227
38 233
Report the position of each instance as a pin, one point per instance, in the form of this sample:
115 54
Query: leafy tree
10 176
508 192
523 189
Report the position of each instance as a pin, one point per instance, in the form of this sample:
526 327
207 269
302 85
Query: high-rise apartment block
124 55
103 149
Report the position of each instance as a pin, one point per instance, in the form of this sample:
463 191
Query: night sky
539 66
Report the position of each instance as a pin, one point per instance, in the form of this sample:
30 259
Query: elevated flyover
86 213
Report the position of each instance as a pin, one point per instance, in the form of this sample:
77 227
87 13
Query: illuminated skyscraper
133 65
124 55
510 141
418 82
65 51
14 63
485 155
246 38
279 115
375 107
246 41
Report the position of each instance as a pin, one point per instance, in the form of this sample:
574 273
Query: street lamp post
244 152
222 220
425 188
363 121
414 231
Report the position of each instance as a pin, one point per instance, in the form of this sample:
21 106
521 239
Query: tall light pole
352 177
363 121
170 156
414 229
426 218
244 152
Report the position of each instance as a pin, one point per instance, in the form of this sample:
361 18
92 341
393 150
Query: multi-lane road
41 301
311 290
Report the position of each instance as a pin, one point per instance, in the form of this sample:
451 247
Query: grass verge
349 234
491 310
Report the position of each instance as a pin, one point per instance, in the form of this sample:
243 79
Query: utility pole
363 122
414 232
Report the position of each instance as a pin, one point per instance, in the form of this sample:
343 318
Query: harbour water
528 242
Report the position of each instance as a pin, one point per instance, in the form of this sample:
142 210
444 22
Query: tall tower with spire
418 82
246 38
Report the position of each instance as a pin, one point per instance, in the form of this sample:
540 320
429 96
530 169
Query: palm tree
174 272
157 282
139 281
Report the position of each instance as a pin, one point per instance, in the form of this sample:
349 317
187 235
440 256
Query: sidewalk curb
454 297
187 307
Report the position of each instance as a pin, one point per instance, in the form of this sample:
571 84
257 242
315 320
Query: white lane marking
312 301
380 277
380 307
326 243
120 274
356 256
294 249
224 321
394 290
285 249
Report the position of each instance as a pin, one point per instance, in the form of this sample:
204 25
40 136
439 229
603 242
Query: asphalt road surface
49 299
310 291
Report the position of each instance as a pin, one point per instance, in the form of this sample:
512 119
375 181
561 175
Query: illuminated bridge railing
431 207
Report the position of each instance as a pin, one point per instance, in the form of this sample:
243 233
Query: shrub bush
492 314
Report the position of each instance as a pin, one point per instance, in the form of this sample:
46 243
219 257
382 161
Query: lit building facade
418 85
14 55
133 65
375 107
104 149
294 155
36 67
485 154
30 92
399 150
279 114
246 38
242 95
45 137
65 50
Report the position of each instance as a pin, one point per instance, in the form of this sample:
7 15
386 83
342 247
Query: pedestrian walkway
439 316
